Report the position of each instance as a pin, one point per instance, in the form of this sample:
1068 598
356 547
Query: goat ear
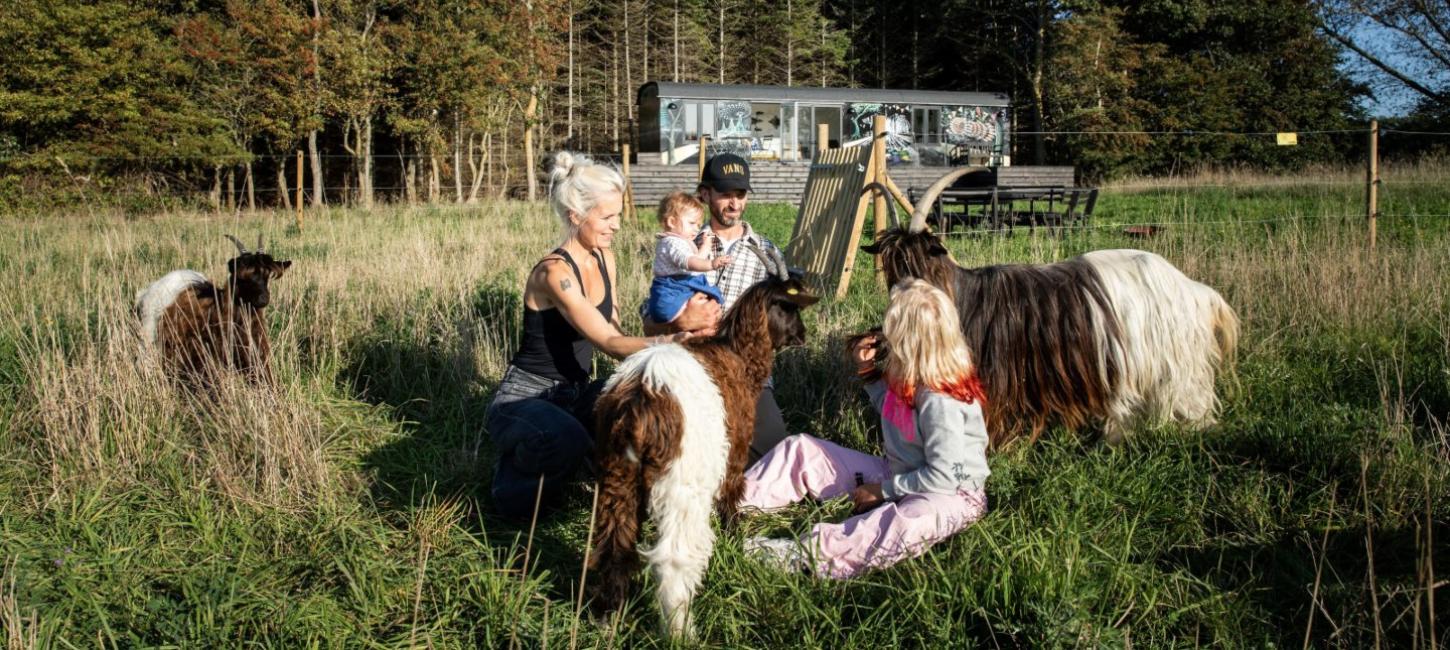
805 299
278 268
232 265
936 248
872 248
796 294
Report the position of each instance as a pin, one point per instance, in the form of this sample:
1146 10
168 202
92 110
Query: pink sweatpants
802 466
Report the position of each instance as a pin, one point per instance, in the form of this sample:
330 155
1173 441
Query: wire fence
1346 193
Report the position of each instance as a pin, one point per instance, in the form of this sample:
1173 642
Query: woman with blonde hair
931 482
541 415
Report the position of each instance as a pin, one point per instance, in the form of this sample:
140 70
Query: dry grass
352 495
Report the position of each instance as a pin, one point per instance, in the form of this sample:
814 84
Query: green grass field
350 508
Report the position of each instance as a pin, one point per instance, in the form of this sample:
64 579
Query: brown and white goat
675 424
195 325
1111 336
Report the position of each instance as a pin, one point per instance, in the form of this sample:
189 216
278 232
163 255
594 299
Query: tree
224 87
102 87
1094 73
1416 56
360 63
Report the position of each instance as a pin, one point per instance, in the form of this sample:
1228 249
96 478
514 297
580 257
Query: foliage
165 97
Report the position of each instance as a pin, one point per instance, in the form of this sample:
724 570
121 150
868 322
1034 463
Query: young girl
679 261
931 482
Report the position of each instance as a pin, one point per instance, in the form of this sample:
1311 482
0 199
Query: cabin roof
747 92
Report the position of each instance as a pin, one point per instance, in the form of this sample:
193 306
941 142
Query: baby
680 263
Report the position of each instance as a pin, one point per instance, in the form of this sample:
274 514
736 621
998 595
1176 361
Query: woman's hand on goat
866 497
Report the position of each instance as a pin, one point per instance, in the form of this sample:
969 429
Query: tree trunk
251 190
851 50
365 160
915 44
720 25
282 191
789 43
628 74
216 188
569 130
475 171
457 161
613 92
432 179
231 189
1039 149
645 63
508 168
881 50
677 41
410 175
529 112
318 190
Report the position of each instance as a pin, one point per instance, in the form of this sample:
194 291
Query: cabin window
699 120
926 125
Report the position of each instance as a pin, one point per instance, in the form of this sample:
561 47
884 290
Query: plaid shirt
744 269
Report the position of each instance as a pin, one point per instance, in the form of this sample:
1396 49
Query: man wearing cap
724 190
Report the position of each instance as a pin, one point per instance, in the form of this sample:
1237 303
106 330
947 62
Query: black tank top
550 346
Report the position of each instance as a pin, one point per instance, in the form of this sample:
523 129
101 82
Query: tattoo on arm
565 284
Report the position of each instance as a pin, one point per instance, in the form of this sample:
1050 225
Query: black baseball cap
726 172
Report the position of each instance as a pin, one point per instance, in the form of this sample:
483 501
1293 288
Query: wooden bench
1005 197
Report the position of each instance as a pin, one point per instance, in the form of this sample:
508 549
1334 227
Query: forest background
145 102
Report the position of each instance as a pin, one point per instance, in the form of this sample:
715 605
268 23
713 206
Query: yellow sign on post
1287 139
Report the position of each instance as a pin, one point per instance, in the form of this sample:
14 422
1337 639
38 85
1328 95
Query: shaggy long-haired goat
196 325
675 423
1111 336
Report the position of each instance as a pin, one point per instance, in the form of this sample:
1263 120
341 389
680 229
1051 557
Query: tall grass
349 507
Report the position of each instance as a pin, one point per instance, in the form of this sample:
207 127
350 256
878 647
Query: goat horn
241 249
781 270
765 259
923 205
890 201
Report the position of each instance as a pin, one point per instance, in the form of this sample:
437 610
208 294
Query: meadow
349 507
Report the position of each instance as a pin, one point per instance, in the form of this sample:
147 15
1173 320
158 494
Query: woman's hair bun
564 163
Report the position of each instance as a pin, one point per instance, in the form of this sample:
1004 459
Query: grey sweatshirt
945 453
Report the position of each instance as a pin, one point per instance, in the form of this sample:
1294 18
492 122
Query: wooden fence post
628 185
704 152
1372 182
823 137
878 166
299 190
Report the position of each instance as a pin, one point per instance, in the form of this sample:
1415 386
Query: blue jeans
535 423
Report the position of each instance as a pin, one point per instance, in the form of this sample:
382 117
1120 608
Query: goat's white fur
152 301
682 498
1170 349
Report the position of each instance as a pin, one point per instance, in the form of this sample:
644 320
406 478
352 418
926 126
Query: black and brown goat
1111 336
196 326
675 425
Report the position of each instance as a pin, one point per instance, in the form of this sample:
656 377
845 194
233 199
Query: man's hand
701 315
866 497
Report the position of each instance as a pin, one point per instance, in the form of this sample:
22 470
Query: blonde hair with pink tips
924 338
